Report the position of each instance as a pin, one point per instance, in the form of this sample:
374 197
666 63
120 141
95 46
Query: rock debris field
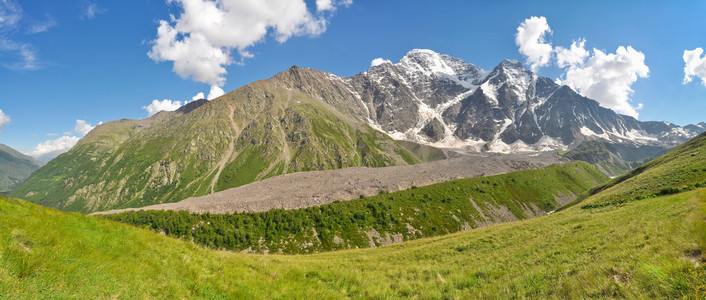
305 189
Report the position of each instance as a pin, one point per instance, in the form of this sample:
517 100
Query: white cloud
42 27
604 77
164 105
530 39
694 65
323 5
4 119
575 55
607 78
92 10
26 52
10 13
52 148
379 61
331 5
198 96
10 16
204 38
83 127
215 92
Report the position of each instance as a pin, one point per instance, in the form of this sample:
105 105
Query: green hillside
15 167
648 249
682 168
286 124
387 218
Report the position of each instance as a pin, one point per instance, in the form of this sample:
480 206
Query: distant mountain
614 159
440 100
295 121
15 167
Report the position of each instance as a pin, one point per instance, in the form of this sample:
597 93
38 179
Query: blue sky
91 57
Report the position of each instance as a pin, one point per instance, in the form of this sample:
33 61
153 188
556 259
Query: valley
345 149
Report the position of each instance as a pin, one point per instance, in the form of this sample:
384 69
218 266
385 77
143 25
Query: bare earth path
228 154
307 189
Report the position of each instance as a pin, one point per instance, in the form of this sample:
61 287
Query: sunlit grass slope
650 248
682 168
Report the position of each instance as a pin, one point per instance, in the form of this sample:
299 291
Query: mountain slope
683 167
652 249
439 100
15 167
289 123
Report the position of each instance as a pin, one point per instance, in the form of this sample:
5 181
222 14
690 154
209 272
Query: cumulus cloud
4 120
694 65
203 40
322 5
604 77
91 10
379 61
575 55
530 39
215 92
198 96
331 5
164 105
52 148
607 78
83 127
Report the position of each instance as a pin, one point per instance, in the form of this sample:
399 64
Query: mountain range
304 119
440 100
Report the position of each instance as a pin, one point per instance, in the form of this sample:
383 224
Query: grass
648 249
681 167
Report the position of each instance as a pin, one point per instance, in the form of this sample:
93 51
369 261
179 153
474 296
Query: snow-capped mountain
440 100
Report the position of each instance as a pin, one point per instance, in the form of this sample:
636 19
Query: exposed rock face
434 130
507 109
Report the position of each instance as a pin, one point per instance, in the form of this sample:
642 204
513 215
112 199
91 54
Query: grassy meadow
645 249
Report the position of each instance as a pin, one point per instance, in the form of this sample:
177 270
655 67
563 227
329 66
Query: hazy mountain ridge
15 167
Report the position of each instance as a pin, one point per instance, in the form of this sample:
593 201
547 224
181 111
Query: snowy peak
427 63
511 79
436 99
